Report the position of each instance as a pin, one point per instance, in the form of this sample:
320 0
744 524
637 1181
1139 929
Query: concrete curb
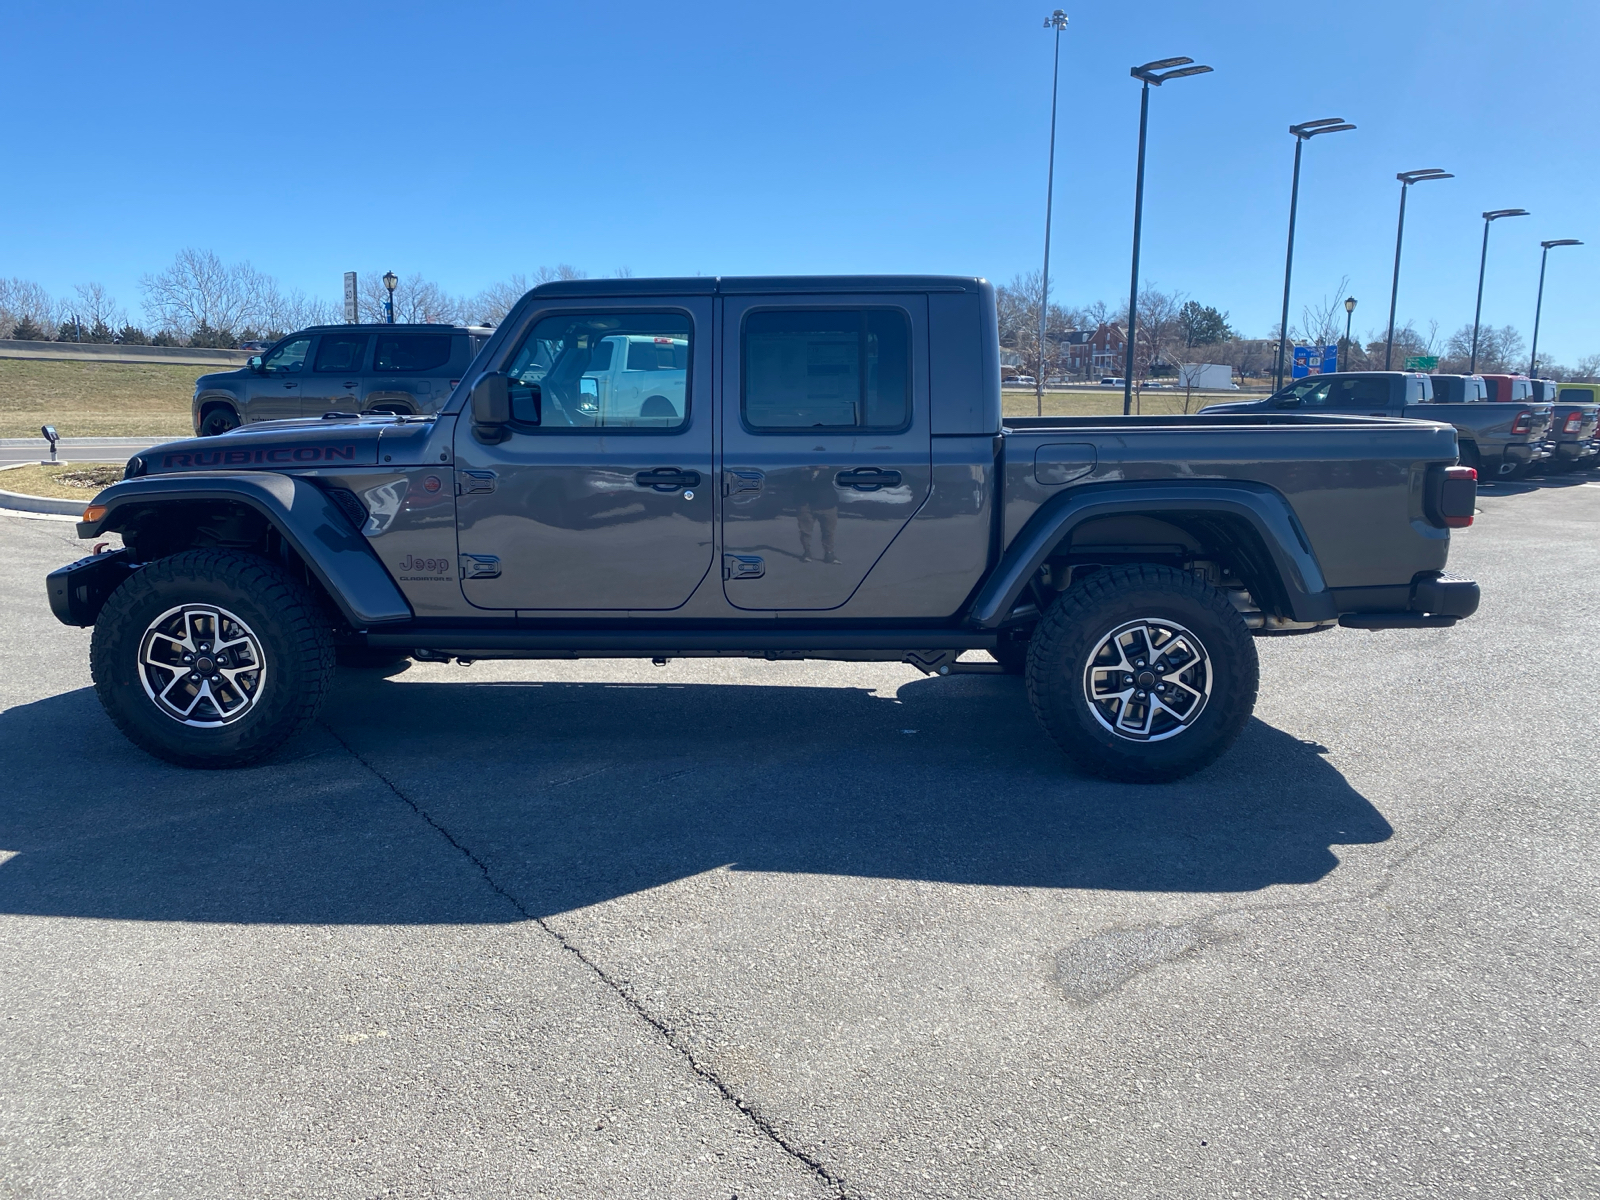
21 502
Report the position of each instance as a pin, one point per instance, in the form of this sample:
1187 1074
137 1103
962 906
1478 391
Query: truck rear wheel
211 658
1142 673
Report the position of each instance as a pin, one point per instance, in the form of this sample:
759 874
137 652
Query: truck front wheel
211 658
1142 673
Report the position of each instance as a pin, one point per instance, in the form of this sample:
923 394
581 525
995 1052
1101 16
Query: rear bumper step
1437 602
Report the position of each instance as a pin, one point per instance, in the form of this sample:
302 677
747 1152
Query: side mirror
491 408
254 363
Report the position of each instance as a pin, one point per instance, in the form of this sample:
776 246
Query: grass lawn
63 481
1015 402
91 399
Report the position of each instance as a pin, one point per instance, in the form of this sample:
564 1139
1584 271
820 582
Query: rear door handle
667 479
291 385
867 479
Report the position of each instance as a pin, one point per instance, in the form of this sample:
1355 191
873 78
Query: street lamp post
390 281
1349 312
1406 178
1156 73
1302 134
1057 21
1538 308
1489 218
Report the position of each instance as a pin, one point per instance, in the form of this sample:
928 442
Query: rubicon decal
259 456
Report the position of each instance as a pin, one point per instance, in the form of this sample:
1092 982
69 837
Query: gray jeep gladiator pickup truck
1498 438
771 468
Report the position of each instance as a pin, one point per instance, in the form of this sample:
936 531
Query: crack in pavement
762 1124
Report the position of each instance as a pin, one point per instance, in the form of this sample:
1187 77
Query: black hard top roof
707 285
397 327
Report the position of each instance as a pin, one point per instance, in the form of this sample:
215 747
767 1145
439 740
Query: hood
221 379
288 445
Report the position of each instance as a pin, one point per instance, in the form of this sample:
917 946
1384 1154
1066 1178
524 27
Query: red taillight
1574 423
1523 422
1458 496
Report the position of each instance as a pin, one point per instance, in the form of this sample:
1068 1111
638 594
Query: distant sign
351 315
1421 362
1315 360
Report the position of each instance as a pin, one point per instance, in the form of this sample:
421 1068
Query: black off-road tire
288 627
1080 623
218 421
1011 652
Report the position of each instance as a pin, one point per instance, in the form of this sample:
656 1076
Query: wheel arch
208 402
263 512
1250 525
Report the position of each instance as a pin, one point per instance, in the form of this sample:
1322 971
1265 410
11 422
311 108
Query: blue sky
469 142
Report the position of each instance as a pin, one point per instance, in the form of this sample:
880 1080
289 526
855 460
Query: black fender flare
1299 576
306 517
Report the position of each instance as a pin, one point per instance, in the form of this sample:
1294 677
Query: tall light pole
1538 308
1156 73
1349 312
1489 218
1302 134
389 281
1057 21
1406 178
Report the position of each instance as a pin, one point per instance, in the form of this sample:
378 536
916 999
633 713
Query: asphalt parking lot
740 929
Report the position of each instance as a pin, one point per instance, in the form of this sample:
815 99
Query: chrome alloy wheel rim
202 665
1147 680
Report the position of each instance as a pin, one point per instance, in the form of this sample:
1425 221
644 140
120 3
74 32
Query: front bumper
78 590
1437 601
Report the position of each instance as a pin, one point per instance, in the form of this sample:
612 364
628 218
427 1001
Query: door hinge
743 566
471 482
480 566
734 482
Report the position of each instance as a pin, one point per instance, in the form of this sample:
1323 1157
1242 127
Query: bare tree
1588 368
1322 322
198 290
26 305
416 301
1159 331
1018 306
99 314
1499 350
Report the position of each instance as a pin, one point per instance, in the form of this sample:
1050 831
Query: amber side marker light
94 512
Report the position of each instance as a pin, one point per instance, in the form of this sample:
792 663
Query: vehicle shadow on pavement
570 794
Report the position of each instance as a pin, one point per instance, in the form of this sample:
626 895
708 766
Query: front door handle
867 479
667 479
291 385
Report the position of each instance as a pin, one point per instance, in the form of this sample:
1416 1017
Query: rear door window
340 352
826 369
1364 393
411 353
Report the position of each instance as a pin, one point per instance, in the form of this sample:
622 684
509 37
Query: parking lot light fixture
1489 218
390 281
1406 178
1538 308
1057 21
1349 312
1151 73
1303 133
